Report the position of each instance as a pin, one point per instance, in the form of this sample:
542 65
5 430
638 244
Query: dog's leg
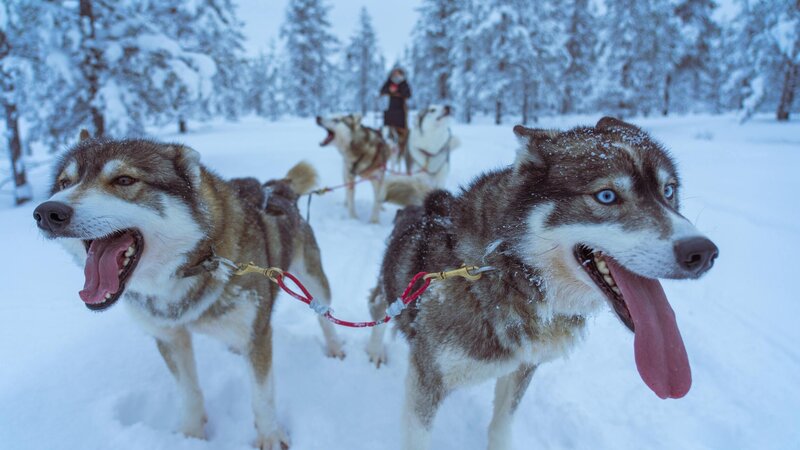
377 189
350 198
508 392
310 269
440 177
424 393
176 349
375 348
270 435
403 136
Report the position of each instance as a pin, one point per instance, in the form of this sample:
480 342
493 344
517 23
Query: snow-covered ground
72 379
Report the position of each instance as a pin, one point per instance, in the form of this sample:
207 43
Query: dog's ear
531 141
612 123
84 135
188 161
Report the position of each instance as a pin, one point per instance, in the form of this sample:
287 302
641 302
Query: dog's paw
377 355
277 440
195 428
335 351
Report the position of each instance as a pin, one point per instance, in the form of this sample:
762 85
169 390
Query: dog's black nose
696 254
319 120
52 216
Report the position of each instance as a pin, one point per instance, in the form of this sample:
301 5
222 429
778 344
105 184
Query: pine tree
581 48
504 36
19 33
181 77
128 67
265 85
638 56
217 32
8 80
466 81
526 57
693 81
435 35
363 68
769 67
309 43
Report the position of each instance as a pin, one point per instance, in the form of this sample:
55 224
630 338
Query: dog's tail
406 191
302 178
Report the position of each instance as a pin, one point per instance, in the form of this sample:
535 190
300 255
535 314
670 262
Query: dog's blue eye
669 191
606 196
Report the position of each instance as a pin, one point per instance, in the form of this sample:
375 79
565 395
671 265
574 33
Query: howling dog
582 219
147 220
431 142
365 155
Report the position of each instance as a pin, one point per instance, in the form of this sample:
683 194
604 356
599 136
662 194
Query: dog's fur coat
179 215
538 224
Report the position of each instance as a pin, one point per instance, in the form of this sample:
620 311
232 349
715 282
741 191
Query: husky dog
584 218
146 221
365 155
431 142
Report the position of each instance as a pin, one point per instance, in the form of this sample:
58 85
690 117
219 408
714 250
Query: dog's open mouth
643 307
331 134
110 261
594 263
328 139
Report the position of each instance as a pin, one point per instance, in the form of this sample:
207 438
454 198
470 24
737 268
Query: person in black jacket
396 117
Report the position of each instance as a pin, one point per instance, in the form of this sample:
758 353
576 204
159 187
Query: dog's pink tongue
103 263
660 354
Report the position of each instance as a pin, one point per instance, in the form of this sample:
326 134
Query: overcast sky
392 20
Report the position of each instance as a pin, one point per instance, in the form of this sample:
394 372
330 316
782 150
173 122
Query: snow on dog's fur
365 155
584 218
431 142
147 221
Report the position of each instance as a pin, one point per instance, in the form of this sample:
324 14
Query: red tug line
409 295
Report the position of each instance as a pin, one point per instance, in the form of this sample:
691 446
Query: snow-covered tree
527 56
693 83
435 35
768 40
119 66
309 44
363 67
21 32
466 51
638 55
581 48
504 36
8 101
217 33
265 97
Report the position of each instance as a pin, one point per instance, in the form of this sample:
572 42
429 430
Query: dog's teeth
119 272
616 290
609 280
108 296
602 267
130 251
126 261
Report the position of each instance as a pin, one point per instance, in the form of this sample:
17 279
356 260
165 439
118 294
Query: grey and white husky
146 221
582 219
